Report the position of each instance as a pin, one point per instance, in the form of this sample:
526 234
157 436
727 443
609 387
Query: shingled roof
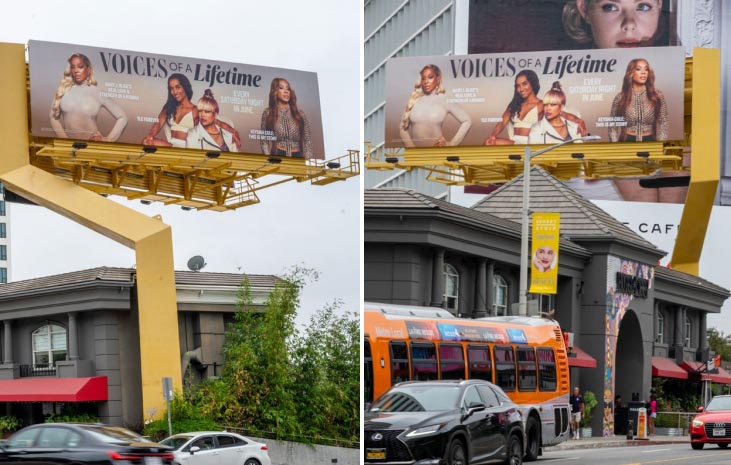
124 277
409 200
580 218
668 274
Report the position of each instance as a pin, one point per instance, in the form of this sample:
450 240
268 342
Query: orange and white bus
525 356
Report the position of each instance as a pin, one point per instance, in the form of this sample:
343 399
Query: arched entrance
629 359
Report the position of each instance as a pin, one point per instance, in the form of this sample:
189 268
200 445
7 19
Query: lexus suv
444 422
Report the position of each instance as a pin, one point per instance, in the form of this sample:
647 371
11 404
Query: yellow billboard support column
150 237
705 160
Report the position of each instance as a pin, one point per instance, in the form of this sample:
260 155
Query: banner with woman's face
480 89
497 26
101 94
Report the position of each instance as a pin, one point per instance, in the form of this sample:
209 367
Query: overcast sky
295 224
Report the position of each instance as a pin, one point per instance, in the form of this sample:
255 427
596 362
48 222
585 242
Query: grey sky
295 224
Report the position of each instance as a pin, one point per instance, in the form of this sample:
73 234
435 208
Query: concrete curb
615 442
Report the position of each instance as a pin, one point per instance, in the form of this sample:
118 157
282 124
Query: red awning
722 377
46 389
579 358
667 368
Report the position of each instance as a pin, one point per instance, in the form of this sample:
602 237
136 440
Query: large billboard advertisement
100 94
497 26
535 97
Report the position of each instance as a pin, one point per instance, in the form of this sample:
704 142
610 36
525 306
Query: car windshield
719 403
418 398
176 442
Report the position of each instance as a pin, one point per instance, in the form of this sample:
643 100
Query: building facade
74 338
628 314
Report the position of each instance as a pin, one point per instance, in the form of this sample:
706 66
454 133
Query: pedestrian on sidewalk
577 408
653 413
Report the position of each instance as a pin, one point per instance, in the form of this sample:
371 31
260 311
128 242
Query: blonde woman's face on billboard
622 23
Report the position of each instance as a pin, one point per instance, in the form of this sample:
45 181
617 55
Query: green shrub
9 423
72 418
589 405
157 430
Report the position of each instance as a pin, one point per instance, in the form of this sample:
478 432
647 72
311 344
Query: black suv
444 422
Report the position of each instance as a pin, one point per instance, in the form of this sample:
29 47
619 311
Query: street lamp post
527 157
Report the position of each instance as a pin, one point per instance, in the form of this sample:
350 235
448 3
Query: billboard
497 26
488 99
101 94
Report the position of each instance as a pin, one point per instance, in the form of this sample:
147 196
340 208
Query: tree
277 380
327 364
719 343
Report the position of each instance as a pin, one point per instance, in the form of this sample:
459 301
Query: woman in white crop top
525 110
422 121
178 115
78 101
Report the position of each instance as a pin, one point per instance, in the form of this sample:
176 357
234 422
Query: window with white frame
660 336
500 295
688 329
49 345
451 287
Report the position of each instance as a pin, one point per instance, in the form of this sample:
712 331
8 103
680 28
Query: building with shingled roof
422 251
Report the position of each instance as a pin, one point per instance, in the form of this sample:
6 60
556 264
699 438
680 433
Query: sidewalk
617 441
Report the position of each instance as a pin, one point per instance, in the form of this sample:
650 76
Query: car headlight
697 423
425 430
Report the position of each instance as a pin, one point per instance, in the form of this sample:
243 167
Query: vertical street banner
544 253
106 95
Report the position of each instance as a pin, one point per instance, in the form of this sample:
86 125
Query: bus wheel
533 439
457 455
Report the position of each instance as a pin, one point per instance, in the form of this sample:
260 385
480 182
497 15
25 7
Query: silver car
216 448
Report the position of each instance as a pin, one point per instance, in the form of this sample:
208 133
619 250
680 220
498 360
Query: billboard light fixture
213 154
149 149
186 208
145 202
76 146
393 160
453 158
514 157
578 156
274 160
643 154
333 165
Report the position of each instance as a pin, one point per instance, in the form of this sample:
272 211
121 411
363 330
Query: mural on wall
626 280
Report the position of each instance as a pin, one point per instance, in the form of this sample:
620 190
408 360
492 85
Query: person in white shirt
426 110
78 102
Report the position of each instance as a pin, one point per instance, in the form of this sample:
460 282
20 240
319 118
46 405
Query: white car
216 448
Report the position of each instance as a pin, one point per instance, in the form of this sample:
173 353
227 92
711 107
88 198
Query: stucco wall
293 453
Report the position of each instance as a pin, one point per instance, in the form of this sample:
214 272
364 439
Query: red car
713 424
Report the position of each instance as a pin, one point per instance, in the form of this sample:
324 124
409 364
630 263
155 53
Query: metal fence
27 371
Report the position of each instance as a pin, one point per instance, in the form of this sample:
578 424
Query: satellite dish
196 263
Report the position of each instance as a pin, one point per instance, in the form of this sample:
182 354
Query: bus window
451 361
399 362
505 368
423 361
367 371
480 362
547 369
526 369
